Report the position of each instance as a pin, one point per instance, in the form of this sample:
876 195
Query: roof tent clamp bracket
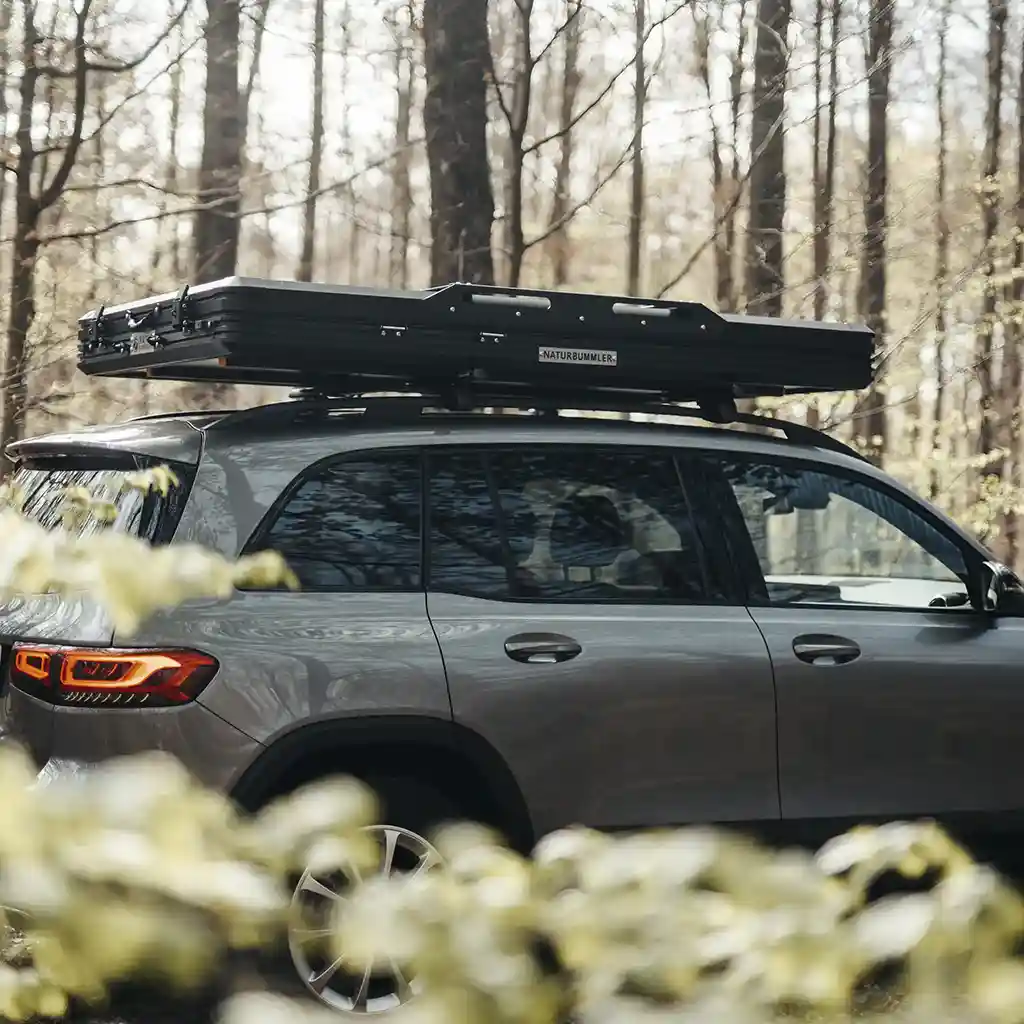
717 407
179 312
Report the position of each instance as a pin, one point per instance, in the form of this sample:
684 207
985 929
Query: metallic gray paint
926 721
667 715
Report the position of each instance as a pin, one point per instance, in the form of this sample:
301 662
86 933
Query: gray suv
534 620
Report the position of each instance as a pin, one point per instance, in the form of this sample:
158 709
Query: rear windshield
47 486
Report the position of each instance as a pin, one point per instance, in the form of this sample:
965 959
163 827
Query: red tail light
90 677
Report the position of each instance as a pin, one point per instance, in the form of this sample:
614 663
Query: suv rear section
72 690
274 688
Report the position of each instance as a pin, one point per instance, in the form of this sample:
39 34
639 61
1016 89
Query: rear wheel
411 811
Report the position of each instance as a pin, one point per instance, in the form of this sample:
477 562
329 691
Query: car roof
181 436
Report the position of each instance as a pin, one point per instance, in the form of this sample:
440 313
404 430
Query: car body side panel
211 749
925 722
667 716
289 658
28 722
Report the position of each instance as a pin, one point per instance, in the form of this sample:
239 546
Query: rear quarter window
44 485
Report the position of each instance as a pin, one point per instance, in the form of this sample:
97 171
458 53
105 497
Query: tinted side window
353 525
550 524
821 536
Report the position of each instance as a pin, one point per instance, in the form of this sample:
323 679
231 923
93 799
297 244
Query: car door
590 637
896 697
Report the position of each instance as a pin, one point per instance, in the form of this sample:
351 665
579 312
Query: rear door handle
824 649
541 648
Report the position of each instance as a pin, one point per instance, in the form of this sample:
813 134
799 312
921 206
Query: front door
588 635
895 696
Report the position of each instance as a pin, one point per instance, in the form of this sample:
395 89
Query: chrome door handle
541 648
825 650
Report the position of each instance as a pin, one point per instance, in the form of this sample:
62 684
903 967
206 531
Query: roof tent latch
94 334
179 311
134 323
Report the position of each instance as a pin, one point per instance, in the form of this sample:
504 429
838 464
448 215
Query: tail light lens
91 677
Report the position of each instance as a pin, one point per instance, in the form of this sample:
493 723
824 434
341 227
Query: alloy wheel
382 985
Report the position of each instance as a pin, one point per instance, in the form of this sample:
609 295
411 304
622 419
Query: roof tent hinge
179 311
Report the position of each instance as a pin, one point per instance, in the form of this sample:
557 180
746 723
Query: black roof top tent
459 341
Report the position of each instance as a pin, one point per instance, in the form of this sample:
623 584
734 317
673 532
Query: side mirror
999 590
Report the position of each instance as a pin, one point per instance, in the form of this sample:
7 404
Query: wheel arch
451 755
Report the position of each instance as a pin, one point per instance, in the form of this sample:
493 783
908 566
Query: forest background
856 160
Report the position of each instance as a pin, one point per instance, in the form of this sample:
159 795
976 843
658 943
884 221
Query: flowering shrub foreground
132 869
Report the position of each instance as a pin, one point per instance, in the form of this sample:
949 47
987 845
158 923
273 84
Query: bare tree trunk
765 252
216 225
457 58
401 175
636 192
1012 389
824 176
559 242
49 98
729 301
316 143
353 217
29 208
824 169
942 238
874 249
517 114
720 200
262 10
6 11
169 229
997 14
99 196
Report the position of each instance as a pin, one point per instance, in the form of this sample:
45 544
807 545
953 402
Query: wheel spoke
305 935
403 984
318 982
311 884
364 988
428 859
390 844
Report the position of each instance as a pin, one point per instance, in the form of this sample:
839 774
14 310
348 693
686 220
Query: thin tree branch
53 71
609 85
50 193
720 221
335 186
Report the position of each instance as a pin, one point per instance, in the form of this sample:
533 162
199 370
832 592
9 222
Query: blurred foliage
132 869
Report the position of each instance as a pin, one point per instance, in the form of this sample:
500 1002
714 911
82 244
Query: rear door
50 487
591 636
896 698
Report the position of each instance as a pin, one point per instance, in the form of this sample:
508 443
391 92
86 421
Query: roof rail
405 409
181 414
